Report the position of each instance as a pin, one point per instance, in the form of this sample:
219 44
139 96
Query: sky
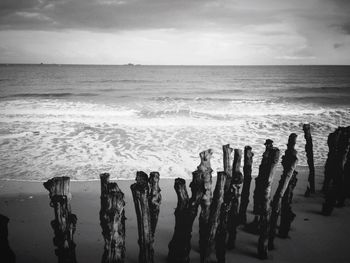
175 32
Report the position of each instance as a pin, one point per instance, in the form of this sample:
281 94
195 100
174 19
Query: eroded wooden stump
229 192
253 227
185 214
332 143
289 162
247 171
214 217
266 173
147 198
64 223
204 171
310 160
287 214
335 192
346 189
237 179
112 221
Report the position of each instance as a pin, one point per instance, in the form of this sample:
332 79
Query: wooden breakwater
220 209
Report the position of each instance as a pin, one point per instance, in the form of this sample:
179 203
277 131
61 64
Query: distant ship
132 65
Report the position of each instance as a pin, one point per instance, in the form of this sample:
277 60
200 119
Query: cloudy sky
181 32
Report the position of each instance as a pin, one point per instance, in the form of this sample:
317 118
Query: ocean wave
104 81
315 89
204 99
49 95
324 100
41 138
160 110
223 91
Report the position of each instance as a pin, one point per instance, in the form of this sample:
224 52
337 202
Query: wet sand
313 238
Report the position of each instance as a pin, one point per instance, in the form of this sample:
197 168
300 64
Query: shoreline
132 179
314 238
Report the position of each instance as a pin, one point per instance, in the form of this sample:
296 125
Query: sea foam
41 138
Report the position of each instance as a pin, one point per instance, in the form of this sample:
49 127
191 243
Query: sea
84 120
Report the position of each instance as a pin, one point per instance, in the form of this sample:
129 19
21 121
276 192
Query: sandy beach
160 89
314 238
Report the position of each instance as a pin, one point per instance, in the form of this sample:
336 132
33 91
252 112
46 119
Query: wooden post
343 188
310 160
205 173
289 162
346 188
227 151
155 199
237 179
222 231
229 191
287 215
332 143
215 209
253 227
247 171
335 190
147 200
266 170
6 253
65 222
112 221
185 213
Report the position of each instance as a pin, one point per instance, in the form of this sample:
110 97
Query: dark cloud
14 5
128 14
346 28
114 15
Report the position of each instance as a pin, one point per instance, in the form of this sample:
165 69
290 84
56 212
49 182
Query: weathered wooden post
344 184
332 143
310 160
147 203
155 199
227 158
237 179
214 217
204 171
266 173
6 253
247 171
287 215
222 231
335 190
346 188
253 227
112 221
64 222
229 191
289 162
185 214
187 209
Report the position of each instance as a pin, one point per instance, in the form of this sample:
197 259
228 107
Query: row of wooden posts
221 211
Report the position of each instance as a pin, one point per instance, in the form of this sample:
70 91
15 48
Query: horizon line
167 65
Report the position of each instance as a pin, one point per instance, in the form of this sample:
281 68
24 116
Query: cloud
131 14
197 31
117 15
346 28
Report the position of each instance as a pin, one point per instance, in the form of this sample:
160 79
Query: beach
313 238
108 107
